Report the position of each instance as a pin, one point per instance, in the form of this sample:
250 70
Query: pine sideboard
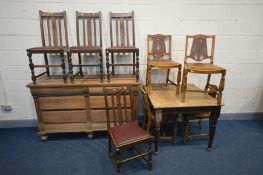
74 107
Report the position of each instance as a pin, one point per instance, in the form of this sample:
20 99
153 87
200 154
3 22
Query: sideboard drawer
76 116
66 102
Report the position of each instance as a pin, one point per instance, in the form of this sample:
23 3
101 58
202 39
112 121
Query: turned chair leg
178 79
70 66
112 62
31 66
137 66
108 66
63 66
150 155
221 88
101 66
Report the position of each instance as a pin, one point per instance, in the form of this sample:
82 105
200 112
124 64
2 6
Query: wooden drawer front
99 101
68 102
100 115
64 116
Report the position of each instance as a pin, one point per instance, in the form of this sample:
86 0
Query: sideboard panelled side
74 107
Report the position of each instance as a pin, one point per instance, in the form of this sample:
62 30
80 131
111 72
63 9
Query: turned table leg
212 128
158 119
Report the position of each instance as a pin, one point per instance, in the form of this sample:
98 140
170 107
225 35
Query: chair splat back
119 104
158 49
54 26
122 29
88 26
199 49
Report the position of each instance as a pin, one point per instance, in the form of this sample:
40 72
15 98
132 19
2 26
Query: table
164 100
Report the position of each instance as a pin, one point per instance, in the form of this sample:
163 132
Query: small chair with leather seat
124 133
88 26
198 53
54 30
160 57
123 25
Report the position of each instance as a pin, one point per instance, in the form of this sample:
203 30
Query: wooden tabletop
164 97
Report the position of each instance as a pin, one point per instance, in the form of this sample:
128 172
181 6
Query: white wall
237 24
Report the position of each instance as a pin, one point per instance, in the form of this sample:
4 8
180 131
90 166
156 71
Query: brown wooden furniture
159 56
194 118
125 132
149 117
54 30
123 25
199 52
88 27
73 107
165 100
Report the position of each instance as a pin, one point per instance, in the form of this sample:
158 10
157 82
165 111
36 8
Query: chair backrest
199 49
147 108
53 28
119 104
122 24
88 26
157 46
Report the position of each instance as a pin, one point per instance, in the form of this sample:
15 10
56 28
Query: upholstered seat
126 134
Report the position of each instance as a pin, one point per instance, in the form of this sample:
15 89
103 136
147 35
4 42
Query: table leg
158 119
212 128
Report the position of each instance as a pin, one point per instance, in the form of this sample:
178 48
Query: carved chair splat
159 56
199 52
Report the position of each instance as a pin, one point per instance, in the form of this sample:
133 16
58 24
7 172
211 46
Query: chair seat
203 68
163 64
47 49
126 134
85 49
122 49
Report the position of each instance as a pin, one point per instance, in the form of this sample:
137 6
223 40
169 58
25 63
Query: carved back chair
89 40
199 53
54 38
124 133
122 36
159 56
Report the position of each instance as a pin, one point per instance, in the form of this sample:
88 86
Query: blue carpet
237 150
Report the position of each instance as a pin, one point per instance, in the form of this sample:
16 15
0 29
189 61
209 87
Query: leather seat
85 49
122 49
47 49
126 134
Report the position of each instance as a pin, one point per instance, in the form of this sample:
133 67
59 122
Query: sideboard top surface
86 81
